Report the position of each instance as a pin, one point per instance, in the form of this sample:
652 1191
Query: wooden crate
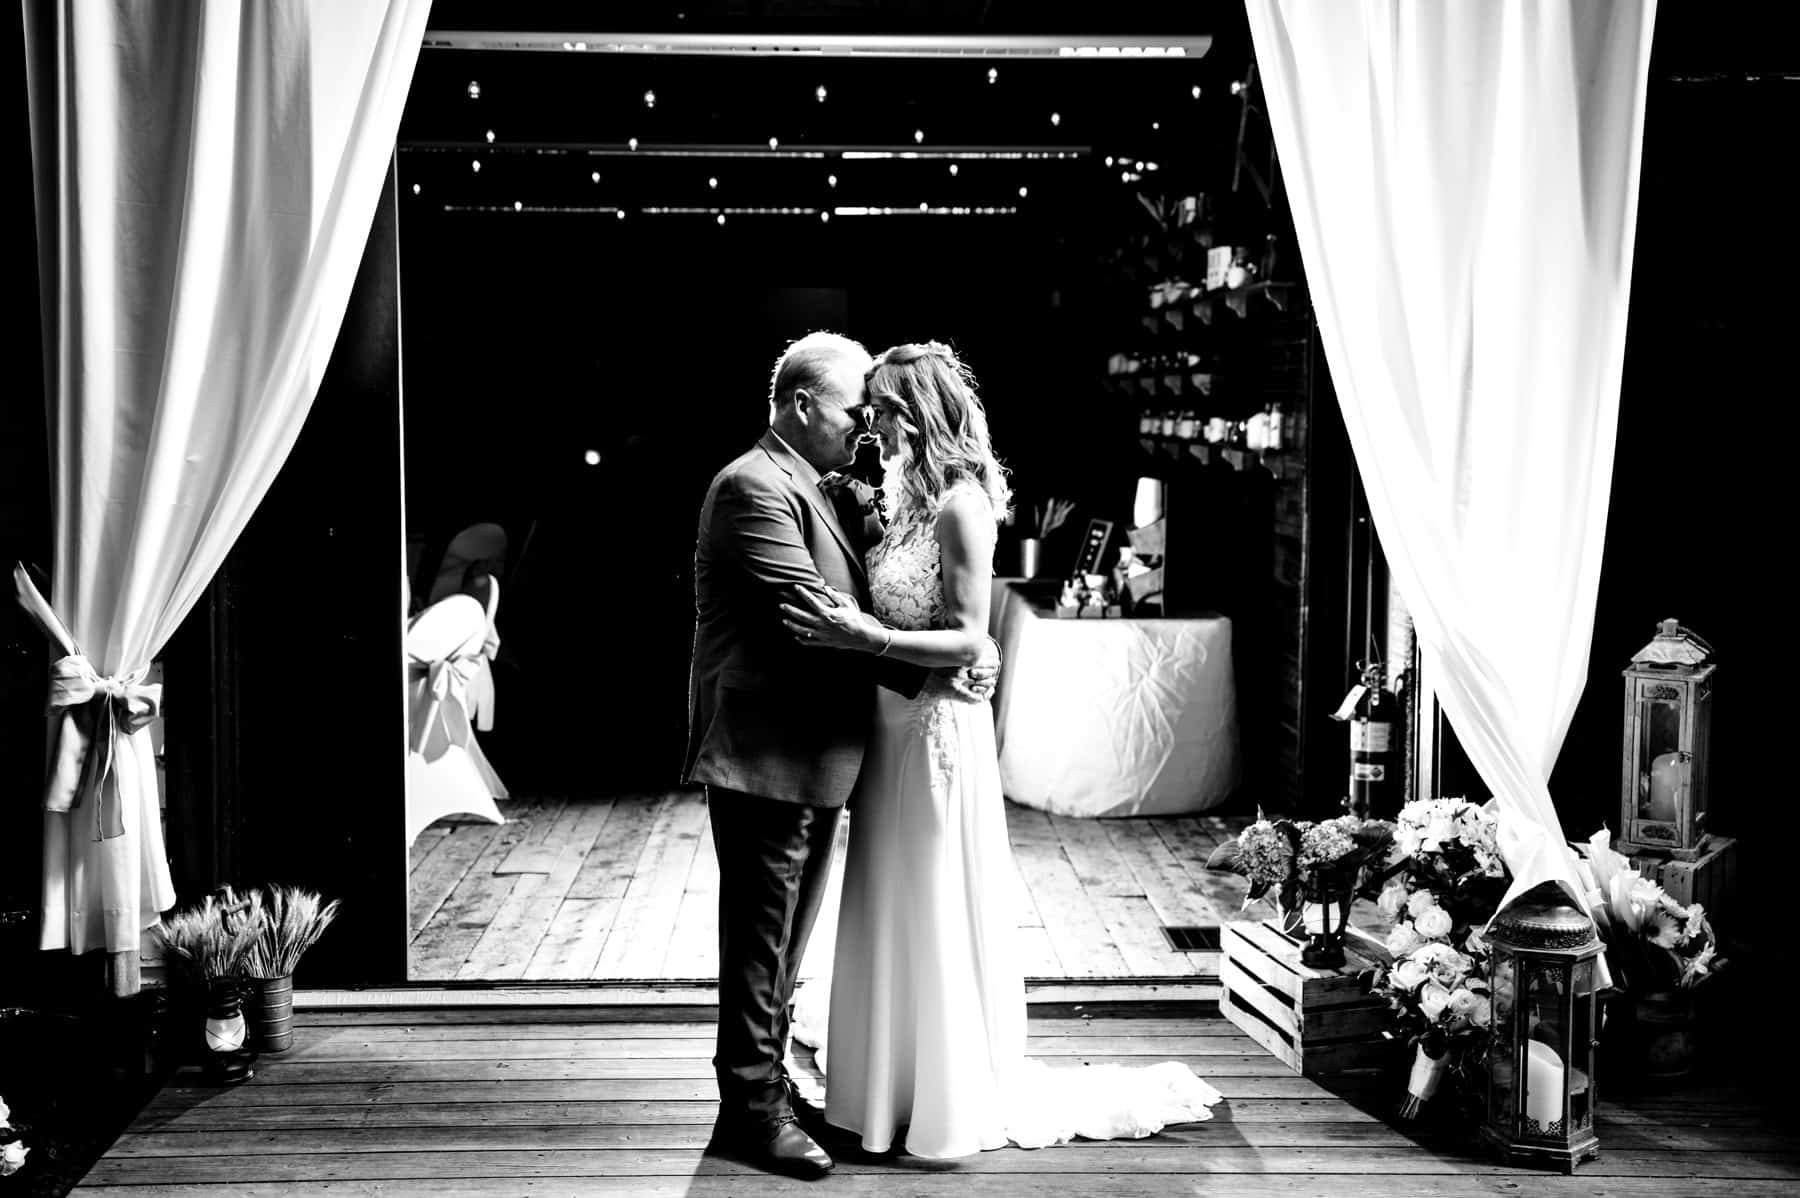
1315 1021
1710 881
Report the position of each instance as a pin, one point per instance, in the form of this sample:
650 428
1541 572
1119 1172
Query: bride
926 1030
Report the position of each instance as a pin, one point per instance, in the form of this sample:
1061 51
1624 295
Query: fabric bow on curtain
1464 182
205 176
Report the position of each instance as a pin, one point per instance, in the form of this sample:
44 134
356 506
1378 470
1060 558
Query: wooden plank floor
614 889
620 1100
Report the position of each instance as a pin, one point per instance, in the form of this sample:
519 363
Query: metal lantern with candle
1668 732
1541 1096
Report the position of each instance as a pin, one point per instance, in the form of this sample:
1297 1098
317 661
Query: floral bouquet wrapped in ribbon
1266 855
1448 886
1313 867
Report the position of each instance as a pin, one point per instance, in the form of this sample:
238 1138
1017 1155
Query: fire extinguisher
1371 712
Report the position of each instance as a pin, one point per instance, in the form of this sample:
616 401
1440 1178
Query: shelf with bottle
1184 432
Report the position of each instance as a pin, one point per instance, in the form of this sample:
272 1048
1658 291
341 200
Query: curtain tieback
96 713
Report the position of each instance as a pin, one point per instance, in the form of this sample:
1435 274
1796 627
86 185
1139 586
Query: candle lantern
1541 1095
1668 733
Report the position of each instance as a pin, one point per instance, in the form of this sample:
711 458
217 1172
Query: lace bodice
906 581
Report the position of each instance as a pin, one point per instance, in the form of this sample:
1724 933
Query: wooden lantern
1668 734
1541 1095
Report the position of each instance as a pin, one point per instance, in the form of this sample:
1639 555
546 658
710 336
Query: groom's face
834 420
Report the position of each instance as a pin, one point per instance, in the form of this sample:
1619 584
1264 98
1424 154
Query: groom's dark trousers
774 858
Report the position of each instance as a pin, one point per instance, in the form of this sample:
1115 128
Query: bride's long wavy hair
944 426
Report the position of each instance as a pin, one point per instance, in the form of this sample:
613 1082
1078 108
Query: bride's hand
830 619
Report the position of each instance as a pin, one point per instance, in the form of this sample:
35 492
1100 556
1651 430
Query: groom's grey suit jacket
767 716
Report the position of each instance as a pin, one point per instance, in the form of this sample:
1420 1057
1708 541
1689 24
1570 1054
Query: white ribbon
94 713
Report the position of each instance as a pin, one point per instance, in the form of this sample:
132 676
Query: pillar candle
1543 1083
1665 785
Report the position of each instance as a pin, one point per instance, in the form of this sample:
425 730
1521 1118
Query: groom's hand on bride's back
977 682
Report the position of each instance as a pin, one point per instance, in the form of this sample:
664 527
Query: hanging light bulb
476 166
415 189
591 457
595 176
953 169
819 93
632 143
620 213
1196 91
474 90
721 218
993 75
1109 160
1155 125
712 181
1023 192
1056 118
774 143
490 137
518 207
831 180
825 217
649 99
918 135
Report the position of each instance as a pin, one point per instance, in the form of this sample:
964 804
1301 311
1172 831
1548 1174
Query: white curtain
206 176
1464 180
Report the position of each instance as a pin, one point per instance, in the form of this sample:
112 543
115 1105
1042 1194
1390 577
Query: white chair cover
449 694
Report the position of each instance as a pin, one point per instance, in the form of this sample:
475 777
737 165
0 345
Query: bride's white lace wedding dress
926 1029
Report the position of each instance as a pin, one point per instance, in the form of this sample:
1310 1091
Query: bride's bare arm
965 534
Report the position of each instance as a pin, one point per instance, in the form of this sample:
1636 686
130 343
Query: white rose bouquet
1448 886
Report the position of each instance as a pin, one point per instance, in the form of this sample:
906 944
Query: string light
712 182
474 90
1022 192
953 168
831 180
1056 118
595 176
1155 126
591 457
475 166
1196 91
924 207
993 75
1109 160
620 214
721 218
632 143
774 143
825 218
490 137
415 189
649 99
518 207
918 135
819 93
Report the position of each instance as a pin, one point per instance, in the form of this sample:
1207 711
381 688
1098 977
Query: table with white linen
1112 717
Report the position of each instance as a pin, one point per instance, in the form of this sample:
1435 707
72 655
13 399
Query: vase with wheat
292 922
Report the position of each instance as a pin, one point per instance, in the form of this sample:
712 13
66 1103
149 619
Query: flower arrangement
212 940
13 1150
1304 861
1448 885
1653 943
292 920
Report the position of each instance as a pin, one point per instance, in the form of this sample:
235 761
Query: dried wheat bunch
292 922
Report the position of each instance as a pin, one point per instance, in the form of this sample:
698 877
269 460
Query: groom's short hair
806 362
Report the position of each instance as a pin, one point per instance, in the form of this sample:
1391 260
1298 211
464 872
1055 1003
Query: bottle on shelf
1185 426
1277 430
1168 424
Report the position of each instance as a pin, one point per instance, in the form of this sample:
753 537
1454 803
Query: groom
776 731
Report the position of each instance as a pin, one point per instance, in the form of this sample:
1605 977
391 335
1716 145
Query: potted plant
1047 518
1310 870
292 920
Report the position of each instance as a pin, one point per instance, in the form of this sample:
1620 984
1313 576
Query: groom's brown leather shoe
784 1147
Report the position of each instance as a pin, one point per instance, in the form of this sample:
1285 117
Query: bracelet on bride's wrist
887 644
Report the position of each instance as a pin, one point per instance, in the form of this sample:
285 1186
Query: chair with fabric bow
450 695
